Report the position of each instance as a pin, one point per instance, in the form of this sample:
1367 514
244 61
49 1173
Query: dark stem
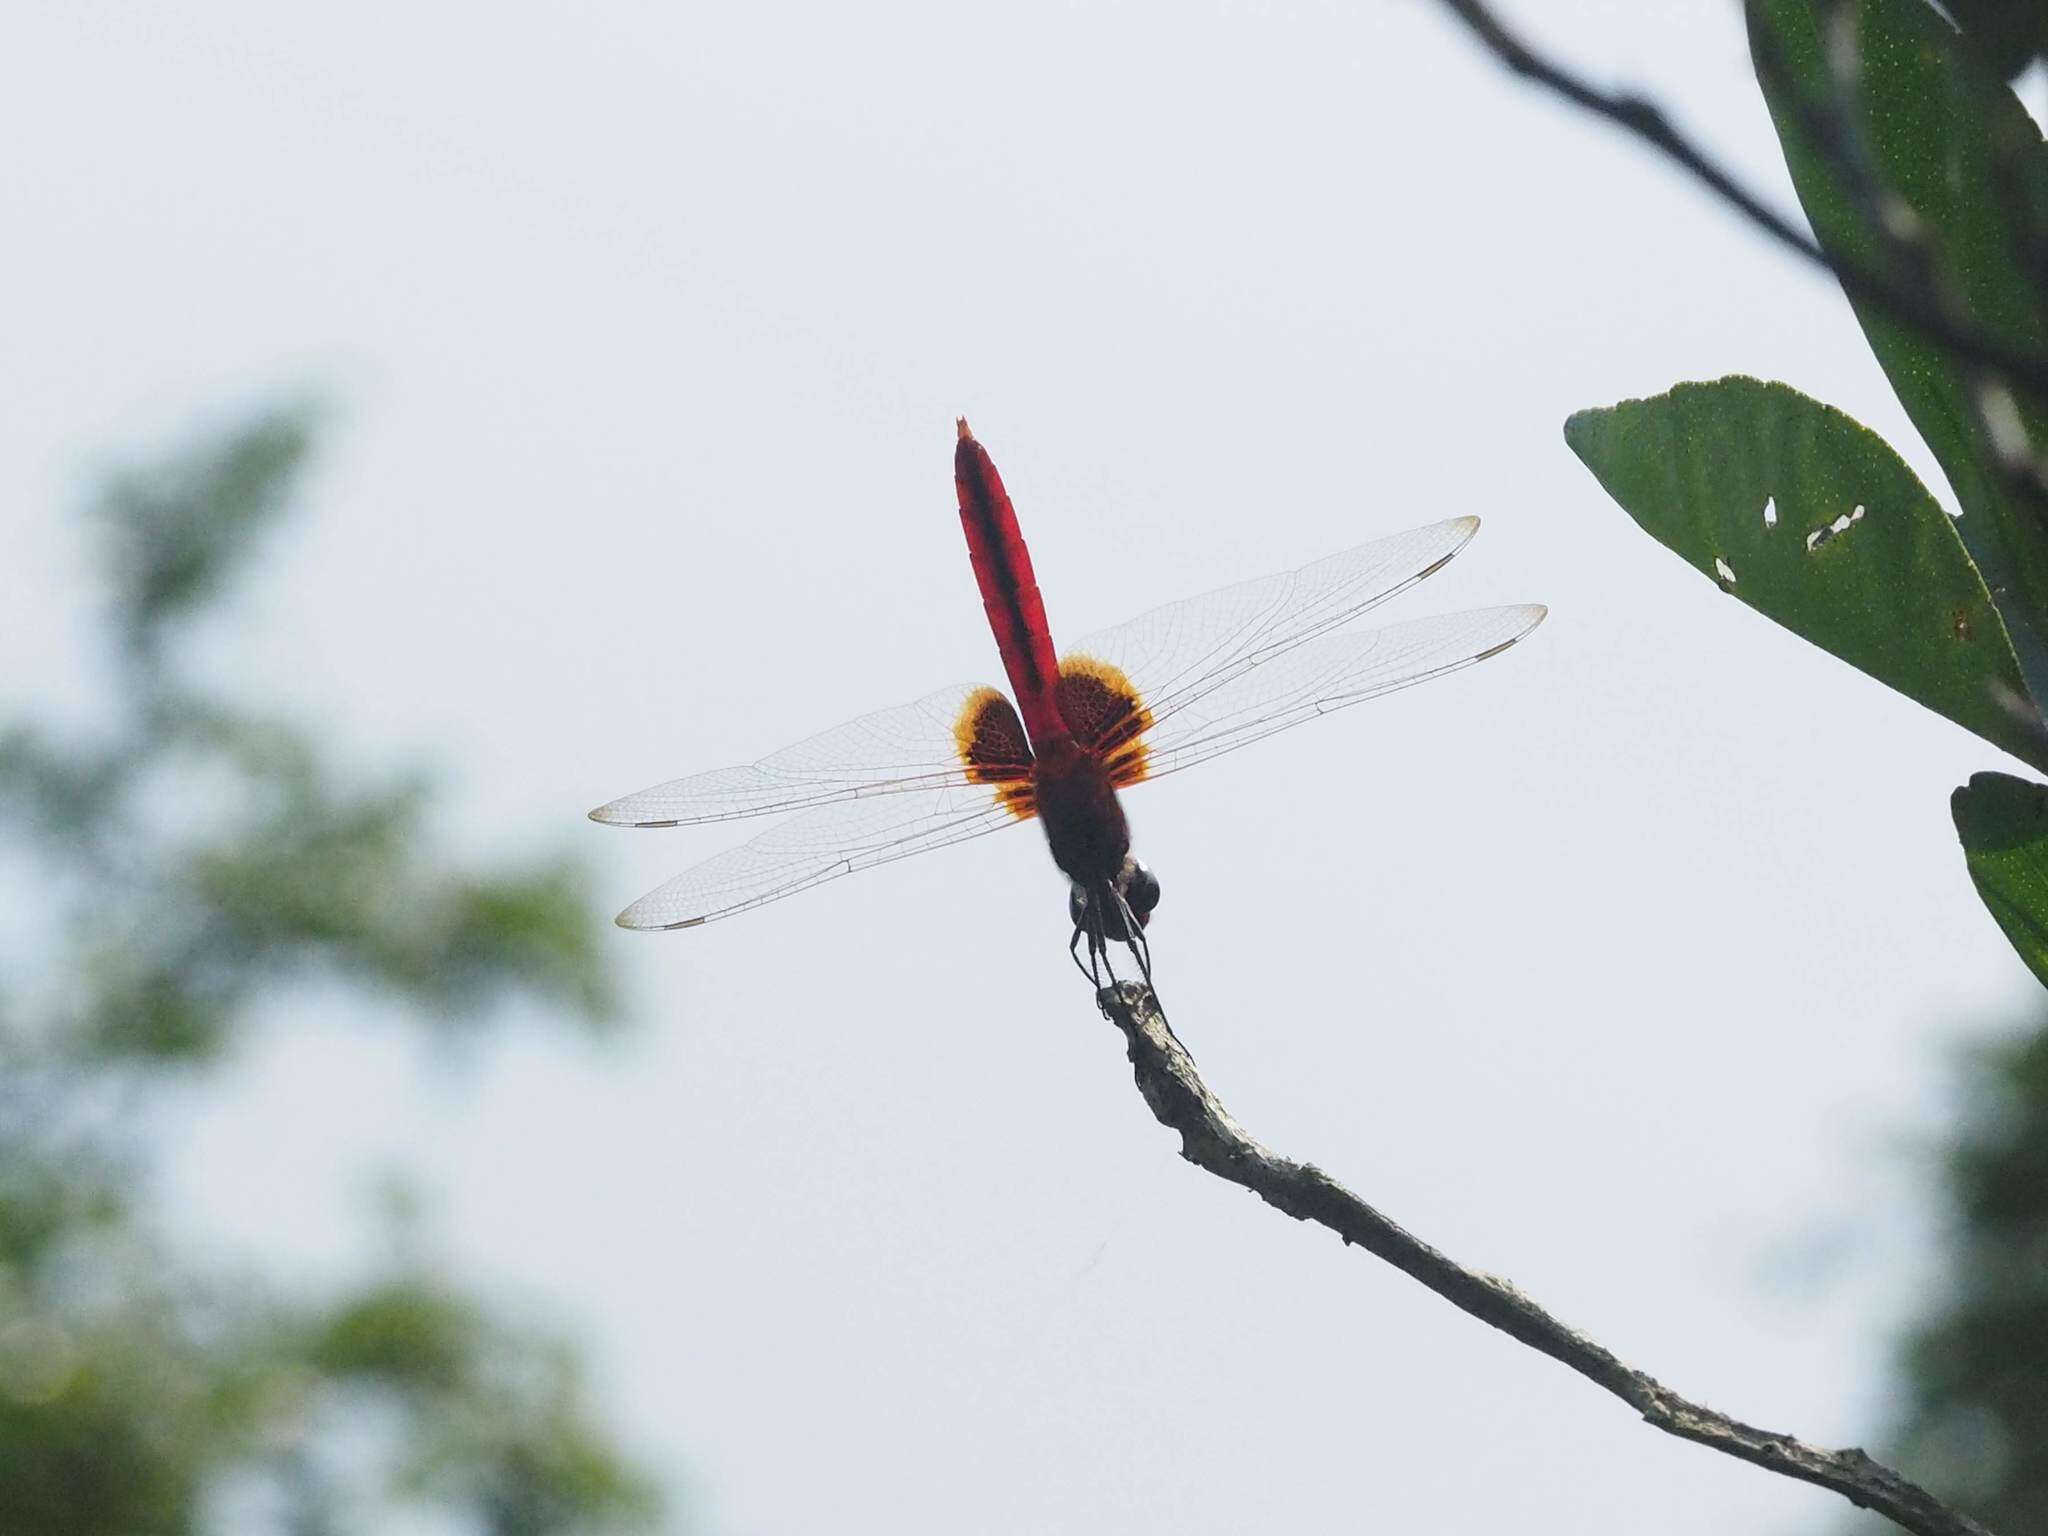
1212 1140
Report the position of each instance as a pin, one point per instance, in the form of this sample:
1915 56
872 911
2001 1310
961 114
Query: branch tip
1210 1139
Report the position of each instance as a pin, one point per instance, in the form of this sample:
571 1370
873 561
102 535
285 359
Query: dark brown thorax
1084 821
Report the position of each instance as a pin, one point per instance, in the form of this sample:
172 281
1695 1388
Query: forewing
1318 678
823 844
1179 654
895 751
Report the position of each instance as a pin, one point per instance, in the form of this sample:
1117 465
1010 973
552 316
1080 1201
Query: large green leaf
2003 823
1812 520
2008 34
1925 166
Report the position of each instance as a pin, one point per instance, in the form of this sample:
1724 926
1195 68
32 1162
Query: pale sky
1628 965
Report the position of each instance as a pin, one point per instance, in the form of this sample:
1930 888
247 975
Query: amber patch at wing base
991 742
1102 708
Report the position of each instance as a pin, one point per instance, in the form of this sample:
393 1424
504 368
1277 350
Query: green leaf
2008 34
2003 822
1813 521
1925 168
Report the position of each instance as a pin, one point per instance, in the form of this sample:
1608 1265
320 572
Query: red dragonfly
1170 689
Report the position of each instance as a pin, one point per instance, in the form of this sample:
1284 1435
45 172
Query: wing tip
629 921
1530 615
611 816
1462 531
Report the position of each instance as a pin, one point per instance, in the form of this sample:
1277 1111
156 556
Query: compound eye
1141 890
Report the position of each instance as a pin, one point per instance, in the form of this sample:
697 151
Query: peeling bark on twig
1212 1140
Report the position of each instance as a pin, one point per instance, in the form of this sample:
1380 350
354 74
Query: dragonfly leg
1141 949
1087 913
1098 932
1094 922
1134 935
1074 954
1092 911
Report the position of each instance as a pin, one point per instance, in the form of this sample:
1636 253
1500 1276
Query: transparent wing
820 845
892 752
1176 655
1184 652
1327 675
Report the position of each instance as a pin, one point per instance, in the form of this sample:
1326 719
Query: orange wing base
991 742
1103 709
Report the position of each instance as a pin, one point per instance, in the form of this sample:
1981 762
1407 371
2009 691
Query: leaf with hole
1812 520
1916 163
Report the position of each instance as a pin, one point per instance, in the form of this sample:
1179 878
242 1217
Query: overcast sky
1627 965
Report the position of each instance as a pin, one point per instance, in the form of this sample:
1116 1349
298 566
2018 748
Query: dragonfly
1175 687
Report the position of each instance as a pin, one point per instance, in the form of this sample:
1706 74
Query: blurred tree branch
1213 1141
195 861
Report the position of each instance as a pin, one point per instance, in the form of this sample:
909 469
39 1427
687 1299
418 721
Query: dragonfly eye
1141 890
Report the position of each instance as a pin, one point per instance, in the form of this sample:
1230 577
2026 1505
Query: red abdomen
1009 589
1085 730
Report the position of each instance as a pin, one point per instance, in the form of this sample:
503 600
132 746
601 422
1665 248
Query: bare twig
1212 1140
1646 121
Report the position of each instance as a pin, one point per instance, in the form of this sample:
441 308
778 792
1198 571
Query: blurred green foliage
1976 1424
193 861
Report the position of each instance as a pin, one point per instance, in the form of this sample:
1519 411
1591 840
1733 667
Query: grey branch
1212 1140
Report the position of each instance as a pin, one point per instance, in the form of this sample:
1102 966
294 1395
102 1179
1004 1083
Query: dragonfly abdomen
1009 588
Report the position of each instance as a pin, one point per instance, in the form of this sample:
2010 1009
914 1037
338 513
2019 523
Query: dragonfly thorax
1077 804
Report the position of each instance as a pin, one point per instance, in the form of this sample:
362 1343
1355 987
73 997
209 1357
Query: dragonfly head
1138 887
